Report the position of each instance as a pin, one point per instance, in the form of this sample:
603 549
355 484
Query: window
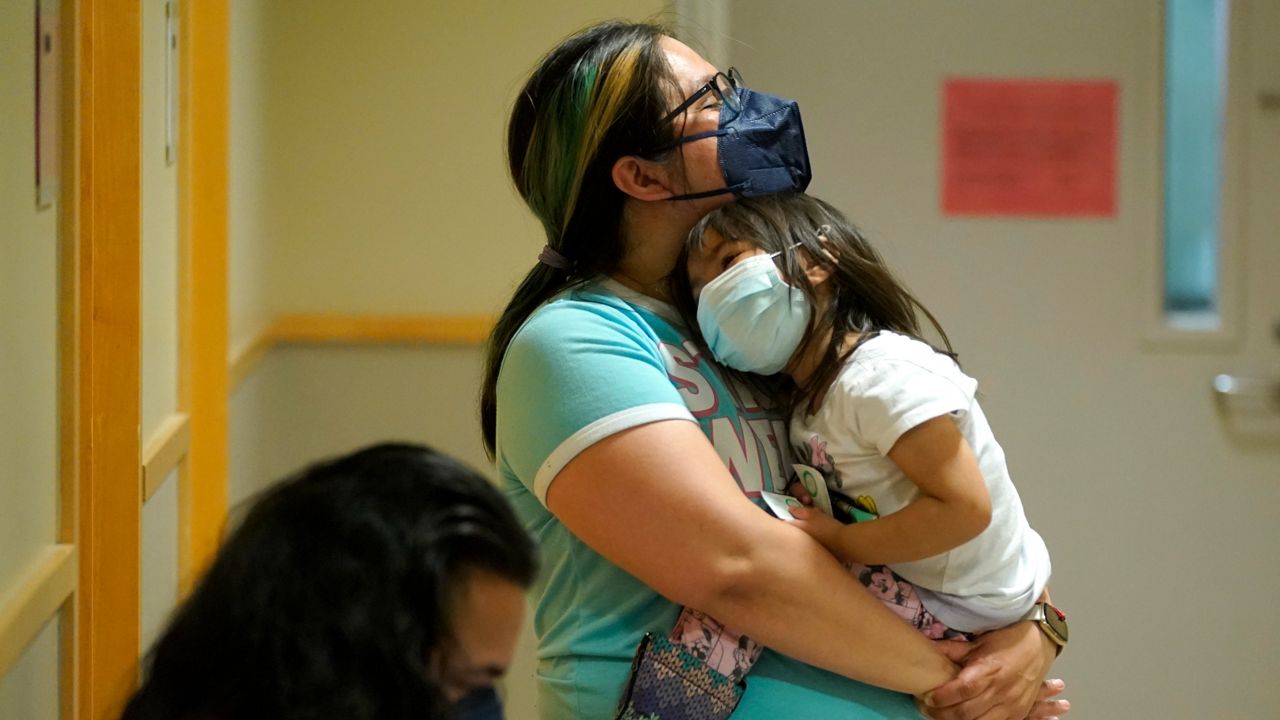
1195 78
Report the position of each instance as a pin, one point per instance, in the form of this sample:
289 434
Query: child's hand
797 491
824 528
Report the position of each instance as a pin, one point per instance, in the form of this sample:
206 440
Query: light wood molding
330 329
245 358
356 329
46 585
164 450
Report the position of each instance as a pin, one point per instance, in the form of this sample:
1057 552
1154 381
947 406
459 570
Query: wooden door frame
108 352
102 482
203 157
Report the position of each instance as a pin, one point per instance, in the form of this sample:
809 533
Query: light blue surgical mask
751 318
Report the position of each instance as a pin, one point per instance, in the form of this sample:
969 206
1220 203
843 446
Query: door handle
1228 387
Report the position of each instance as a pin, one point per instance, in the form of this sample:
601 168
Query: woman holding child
637 463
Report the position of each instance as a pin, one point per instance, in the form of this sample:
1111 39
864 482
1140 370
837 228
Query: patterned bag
669 683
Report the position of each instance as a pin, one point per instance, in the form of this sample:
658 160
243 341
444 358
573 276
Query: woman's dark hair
328 600
865 295
598 96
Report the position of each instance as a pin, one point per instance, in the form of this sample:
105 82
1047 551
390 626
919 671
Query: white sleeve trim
599 430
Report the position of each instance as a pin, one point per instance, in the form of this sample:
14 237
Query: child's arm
953 507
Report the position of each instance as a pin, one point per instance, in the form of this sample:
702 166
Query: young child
785 284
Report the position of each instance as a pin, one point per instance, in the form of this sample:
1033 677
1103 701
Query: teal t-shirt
594 361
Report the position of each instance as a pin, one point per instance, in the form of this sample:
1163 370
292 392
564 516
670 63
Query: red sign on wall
1029 148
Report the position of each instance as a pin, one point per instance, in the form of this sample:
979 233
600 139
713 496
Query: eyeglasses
723 84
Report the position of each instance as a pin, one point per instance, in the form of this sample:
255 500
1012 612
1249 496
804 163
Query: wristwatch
1051 621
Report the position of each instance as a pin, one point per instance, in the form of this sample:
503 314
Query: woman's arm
953 508
657 501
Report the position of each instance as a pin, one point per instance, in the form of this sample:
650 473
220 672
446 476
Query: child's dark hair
328 600
865 295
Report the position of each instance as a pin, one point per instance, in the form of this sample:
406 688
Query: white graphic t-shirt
891 384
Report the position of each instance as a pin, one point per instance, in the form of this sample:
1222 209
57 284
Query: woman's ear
642 179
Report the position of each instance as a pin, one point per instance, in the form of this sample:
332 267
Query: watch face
1056 620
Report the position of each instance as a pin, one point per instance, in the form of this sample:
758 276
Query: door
1157 499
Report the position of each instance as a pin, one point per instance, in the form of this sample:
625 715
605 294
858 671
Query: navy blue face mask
482 704
761 147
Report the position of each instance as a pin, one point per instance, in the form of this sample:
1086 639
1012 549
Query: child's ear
642 179
819 272
816 272
824 239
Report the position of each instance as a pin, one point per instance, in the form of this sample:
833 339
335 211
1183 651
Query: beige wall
160 317
159 233
250 161
159 561
368 176
385 174
304 403
30 689
1158 516
28 361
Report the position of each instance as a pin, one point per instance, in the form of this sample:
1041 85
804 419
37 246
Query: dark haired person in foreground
385 584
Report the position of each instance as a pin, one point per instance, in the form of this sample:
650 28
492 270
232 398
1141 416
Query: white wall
28 360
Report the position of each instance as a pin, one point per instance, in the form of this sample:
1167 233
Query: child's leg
901 597
723 649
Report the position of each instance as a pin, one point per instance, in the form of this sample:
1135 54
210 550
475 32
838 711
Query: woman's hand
1002 678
